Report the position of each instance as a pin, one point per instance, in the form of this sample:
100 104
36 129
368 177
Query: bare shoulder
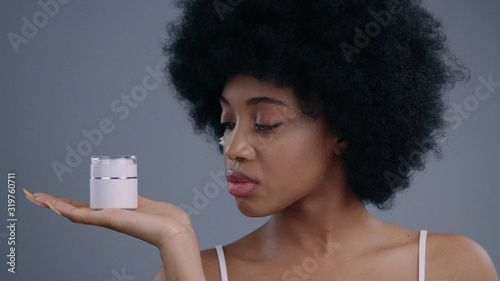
457 257
210 264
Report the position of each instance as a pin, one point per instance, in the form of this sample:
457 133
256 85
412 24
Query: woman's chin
254 209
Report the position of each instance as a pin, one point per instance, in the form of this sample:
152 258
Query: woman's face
285 156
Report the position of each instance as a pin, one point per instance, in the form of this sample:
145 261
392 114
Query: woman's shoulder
234 250
210 263
457 257
448 257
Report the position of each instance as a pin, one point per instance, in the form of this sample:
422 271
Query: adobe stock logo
311 263
222 7
460 111
122 107
372 29
121 276
201 198
40 19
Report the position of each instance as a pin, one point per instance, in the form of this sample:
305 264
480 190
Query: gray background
91 52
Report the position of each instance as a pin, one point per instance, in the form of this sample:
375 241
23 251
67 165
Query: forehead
245 89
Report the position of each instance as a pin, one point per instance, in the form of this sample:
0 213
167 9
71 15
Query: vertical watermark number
11 221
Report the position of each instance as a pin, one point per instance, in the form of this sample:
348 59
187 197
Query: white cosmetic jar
113 182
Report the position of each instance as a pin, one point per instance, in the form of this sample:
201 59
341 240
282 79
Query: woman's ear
339 146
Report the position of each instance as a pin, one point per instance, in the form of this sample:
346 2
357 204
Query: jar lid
121 166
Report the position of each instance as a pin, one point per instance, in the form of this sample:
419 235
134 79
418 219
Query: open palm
152 221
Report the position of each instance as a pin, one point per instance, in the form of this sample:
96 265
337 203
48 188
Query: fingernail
34 202
53 208
28 194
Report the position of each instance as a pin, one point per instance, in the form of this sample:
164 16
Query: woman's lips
239 184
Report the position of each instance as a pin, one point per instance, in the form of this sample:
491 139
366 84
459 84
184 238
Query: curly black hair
379 67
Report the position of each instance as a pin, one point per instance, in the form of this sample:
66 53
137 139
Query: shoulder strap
421 255
222 262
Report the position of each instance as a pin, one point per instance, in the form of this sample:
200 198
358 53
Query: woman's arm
163 225
181 257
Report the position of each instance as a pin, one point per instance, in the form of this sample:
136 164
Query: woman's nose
237 145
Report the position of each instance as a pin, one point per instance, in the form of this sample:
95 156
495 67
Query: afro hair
380 69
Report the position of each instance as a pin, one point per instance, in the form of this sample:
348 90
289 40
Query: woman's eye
266 128
228 125
260 127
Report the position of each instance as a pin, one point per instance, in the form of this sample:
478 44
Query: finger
126 221
75 203
53 208
109 217
78 214
150 228
28 193
42 197
32 199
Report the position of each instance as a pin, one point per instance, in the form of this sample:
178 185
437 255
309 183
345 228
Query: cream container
113 182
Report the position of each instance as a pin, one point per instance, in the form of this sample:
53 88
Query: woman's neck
333 216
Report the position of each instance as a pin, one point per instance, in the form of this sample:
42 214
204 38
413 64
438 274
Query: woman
317 102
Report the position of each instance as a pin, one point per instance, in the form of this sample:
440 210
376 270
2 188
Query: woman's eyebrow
223 100
257 100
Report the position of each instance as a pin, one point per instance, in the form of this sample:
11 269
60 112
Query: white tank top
421 258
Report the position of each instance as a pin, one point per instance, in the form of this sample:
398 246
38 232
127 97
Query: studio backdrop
83 78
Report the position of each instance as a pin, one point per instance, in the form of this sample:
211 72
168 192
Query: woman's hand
164 225
154 222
